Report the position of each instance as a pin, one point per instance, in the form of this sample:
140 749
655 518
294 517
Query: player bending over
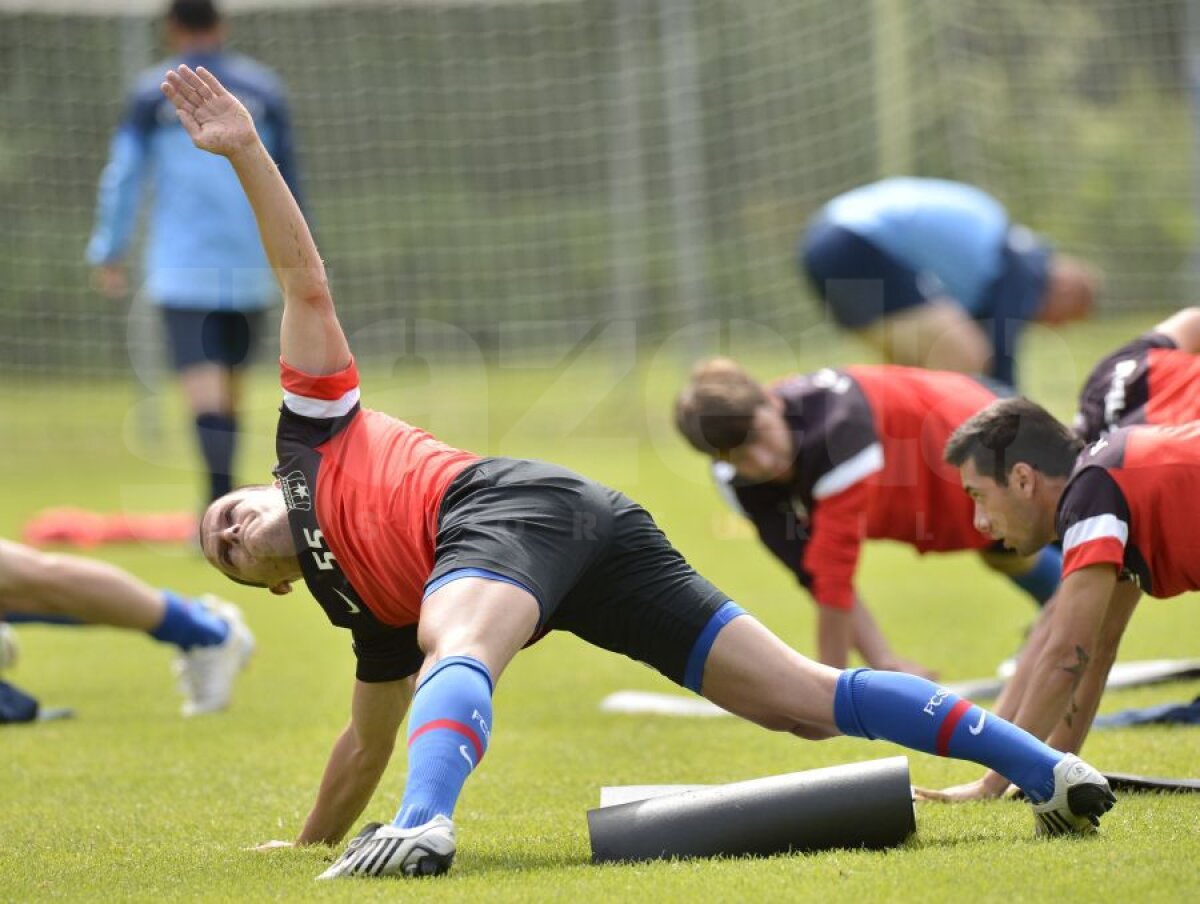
1124 509
821 462
443 565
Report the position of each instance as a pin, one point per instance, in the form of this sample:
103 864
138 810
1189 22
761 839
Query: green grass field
130 802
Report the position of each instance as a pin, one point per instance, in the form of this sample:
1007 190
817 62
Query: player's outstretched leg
213 642
752 673
1068 795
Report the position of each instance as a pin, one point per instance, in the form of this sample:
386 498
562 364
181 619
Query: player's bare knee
27 572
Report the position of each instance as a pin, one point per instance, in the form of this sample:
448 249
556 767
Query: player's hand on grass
215 119
267 846
985 788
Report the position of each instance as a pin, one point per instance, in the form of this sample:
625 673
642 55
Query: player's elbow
315 296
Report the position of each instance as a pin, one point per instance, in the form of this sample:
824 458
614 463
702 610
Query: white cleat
10 650
379 850
206 674
1081 796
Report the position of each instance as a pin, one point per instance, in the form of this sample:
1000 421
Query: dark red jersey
1146 381
1131 503
868 465
363 491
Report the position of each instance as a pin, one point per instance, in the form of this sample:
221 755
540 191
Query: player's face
1005 513
768 453
245 535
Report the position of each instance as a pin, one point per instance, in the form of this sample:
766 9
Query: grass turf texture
130 802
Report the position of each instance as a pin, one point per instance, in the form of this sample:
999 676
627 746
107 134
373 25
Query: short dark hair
1014 430
716 409
194 15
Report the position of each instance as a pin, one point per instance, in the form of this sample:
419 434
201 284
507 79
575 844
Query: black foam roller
859 805
1123 781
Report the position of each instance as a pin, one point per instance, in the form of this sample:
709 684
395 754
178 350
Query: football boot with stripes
1081 796
379 850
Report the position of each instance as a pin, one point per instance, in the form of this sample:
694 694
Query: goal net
519 172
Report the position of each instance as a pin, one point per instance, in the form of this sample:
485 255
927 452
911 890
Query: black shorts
195 337
594 560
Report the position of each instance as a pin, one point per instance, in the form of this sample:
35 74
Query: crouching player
821 462
444 565
1123 508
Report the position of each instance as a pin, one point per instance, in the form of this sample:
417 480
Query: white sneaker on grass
10 650
206 674
1081 796
379 850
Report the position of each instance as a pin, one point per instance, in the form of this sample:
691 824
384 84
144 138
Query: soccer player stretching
443 565
1124 508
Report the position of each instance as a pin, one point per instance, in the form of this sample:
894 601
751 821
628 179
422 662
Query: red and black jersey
1131 502
868 464
1146 381
362 491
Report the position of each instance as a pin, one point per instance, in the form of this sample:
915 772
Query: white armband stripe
320 408
1097 527
850 472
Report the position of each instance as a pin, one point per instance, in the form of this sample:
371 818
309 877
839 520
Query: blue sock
1042 579
917 713
187 624
448 732
218 436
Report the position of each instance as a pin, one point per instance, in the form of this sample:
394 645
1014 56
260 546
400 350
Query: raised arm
310 337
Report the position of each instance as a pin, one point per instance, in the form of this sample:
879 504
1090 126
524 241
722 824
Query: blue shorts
858 282
1015 298
229 338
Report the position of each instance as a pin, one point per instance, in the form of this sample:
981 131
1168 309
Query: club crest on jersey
296 493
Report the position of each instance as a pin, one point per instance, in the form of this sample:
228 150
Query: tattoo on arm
1076 672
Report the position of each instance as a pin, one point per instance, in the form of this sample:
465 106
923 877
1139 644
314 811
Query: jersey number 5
322 556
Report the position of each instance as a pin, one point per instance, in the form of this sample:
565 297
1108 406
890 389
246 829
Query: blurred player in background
214 643
1123 507
934 274
443 565
204 264
1153 379
821 462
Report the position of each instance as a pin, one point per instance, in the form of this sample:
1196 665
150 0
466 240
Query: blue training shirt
954 231
202 246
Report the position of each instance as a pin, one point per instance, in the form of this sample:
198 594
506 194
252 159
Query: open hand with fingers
214 118
977 790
